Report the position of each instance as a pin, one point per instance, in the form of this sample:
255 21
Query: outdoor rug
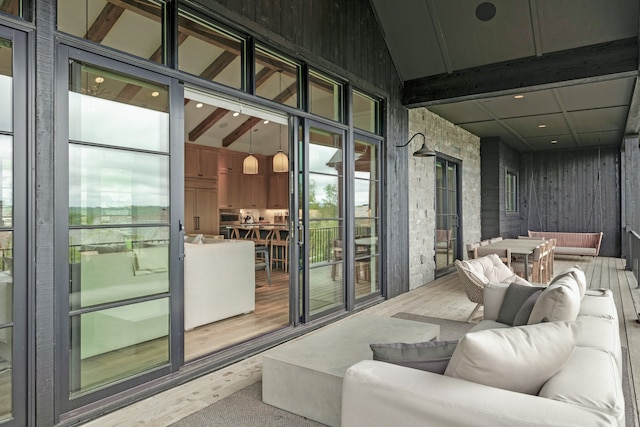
244 408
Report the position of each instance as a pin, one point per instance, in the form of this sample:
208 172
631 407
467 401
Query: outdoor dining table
517 247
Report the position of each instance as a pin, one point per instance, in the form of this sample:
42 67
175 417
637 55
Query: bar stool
262 261
280 248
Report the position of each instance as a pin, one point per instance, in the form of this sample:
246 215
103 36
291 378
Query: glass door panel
366 218
325 221
118 215
447 215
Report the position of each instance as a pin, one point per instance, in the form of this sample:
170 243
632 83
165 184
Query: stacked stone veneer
453 142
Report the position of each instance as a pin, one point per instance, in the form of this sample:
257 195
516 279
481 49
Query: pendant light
250 163
280 160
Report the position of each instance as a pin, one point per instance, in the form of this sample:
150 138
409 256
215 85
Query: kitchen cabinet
253 193
230 161
200 162
229 190
278 191
201 210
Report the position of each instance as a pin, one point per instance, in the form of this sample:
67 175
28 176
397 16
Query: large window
325 97
511 191
276 77
366 112
134 27
118 226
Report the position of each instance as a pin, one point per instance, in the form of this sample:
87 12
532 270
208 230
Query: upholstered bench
572 243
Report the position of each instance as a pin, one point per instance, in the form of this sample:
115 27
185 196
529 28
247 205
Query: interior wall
450 140
573 191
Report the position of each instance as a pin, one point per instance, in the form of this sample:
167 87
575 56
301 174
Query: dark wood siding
343 37
574 191
496 158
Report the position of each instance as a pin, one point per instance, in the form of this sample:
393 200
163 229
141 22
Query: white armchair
476 273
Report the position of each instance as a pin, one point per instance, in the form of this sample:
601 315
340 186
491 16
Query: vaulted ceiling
538 74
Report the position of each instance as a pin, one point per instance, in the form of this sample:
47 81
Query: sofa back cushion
520 359
432 356
558 302
578 274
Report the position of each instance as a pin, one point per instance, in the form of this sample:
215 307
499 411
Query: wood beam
219 64
207 123
584 63
241 130
105 21
11 6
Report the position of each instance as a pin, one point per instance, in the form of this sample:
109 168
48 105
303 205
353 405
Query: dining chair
280 248
495 239
535 266
503 254
472 253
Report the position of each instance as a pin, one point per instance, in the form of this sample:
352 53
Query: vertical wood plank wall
574 191
329 34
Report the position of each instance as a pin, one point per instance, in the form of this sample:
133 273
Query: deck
444 297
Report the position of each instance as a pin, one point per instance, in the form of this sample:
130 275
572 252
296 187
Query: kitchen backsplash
271 216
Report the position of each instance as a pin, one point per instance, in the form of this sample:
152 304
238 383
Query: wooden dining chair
471 250
535 267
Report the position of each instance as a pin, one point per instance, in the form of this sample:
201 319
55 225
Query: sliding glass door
447 214
123 269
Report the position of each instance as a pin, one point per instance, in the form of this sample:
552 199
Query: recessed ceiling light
155 93
199 105
236 114
519 96
99 79
554 141
542 126
266 122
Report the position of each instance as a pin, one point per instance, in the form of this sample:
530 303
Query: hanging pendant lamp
250 163
280 160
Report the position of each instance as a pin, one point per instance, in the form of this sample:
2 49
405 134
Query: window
511 191
276 78
325 97
366 113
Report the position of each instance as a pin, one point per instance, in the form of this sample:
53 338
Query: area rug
449 329
244 409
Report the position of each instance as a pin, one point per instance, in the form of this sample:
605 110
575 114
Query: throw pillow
432 356
514 297
578 274
520 359
523 315
558 302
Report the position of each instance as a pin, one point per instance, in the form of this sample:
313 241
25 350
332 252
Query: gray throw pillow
514 297
522 316
432 356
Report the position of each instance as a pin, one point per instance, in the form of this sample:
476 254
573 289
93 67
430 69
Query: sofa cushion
601 333
601 389
514 298
577 273
598 303
432 356
523 315
488 268
558 302
520 359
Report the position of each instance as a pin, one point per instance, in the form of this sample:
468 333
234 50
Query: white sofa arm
381 394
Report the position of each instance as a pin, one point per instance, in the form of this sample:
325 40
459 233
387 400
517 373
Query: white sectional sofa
585 391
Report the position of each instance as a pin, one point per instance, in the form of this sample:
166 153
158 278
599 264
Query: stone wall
454 142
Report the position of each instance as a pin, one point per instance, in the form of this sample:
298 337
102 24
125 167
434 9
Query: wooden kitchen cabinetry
229 178
253 191
201 210
277 190
200 162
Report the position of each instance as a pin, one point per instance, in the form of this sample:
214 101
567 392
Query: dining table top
516 246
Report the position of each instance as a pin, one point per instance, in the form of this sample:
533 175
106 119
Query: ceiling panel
529 127
410 37
609 93
461 112
603 119
566 24
533 103
601 139
507 36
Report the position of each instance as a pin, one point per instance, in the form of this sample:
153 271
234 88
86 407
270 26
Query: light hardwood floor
443 297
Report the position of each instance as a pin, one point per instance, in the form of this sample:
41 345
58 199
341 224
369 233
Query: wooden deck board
443 297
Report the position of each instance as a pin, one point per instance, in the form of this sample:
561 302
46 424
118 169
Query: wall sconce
424 151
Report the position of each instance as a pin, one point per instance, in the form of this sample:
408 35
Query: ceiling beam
11 6
105 21
241 130
219 64
585 63
207 123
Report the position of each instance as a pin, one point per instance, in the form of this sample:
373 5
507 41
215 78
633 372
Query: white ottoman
304 376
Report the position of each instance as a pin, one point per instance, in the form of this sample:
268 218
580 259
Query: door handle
301 235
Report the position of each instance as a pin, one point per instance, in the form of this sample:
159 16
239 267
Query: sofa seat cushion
520 358
598 303
601 389
485 324
569 250
558 302
600 333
